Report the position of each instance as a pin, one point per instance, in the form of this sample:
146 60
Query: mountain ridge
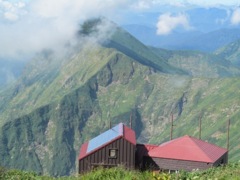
50 112
230 52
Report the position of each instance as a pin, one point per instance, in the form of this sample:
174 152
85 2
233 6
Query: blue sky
27 26
13 9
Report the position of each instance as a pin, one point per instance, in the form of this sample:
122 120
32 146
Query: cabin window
112 153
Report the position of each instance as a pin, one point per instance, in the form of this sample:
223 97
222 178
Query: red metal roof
129 134
188 148
83 150
107 137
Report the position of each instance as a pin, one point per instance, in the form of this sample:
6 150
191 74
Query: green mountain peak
58 104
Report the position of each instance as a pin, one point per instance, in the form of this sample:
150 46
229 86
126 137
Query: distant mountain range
194 40
10 70
231 52
211 29
57 104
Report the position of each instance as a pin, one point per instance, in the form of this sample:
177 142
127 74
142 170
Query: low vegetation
230 171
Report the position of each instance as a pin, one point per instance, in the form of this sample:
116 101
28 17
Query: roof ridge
121 129
193 139
188 148
171 141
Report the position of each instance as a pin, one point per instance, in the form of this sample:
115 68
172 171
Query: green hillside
44 82
199 64
58 104
127 44
231 52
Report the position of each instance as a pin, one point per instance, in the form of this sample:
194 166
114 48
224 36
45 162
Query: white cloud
213 2
11 10
203 3
41 24
167 23
177 4
10 16
235 19
142 5
75 8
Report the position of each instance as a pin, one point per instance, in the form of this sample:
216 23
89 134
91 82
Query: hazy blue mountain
148 36
208 19
199 64
231 52
210 41
210 29
10 70
192 40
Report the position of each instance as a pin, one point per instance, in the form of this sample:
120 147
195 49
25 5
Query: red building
117 146
112 148
184 153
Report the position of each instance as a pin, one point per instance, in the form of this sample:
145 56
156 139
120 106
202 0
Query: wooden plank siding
176 165
222 160
173 164
125 156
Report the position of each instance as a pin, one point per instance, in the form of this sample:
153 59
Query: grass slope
199 64
231 52
230 171
45 82
127 44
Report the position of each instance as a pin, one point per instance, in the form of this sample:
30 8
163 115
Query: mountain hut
115 147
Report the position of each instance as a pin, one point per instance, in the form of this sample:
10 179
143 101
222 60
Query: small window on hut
112 153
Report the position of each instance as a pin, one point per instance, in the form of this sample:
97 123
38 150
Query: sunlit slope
44 82
231 52
199 64
127 44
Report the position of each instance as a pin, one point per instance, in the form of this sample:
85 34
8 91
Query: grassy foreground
231 171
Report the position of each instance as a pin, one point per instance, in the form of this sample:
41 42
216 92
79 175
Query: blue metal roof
105 137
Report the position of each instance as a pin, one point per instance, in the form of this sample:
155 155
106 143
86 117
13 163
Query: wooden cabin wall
125 156
173 164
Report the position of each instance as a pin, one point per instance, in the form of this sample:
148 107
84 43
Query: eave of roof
188 148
